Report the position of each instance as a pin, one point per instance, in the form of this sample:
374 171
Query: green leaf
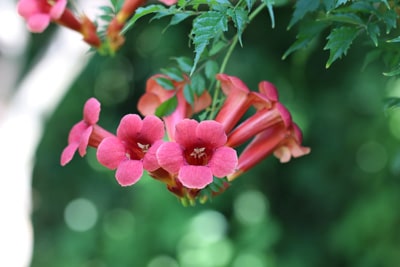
308 31
340 2
211 69
188 93
217 47
184 63
198 84
174 73
394 40
167 84
389 17
250 4
205 27
107 10
339 41
179 17
391 103
301 9
240 19
350 18
141 12
393 72
167 107
269 4
373 31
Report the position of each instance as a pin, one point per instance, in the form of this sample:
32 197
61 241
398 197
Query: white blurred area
24 106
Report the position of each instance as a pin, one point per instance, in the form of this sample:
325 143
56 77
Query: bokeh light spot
209 226
163 261
80 215
371 157
248 259
250 207
119 224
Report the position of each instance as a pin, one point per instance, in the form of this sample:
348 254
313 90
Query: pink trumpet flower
155 95
198 154
127 152
236 102
85 133
284 142
39 13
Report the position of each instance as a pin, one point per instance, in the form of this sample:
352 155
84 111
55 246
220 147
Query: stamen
144 148
198 152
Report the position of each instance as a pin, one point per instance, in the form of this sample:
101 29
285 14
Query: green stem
227 57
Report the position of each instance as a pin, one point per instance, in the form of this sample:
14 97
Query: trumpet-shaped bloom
198 154
155 95
168 2
127 152
85 133
280 140
236 102
39 13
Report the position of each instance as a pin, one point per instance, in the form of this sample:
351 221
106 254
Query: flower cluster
40 13
185 154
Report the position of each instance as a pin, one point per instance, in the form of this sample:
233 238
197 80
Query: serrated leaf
188 93
179 17
107 10
340 2
301 9
205 27
389 17
141 12
167 107
184 63
373 31
240 19
211 69
269 4
167 84
350 18
308 31
339 41
250 4
174 73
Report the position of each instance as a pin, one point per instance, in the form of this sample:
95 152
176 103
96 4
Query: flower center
137 151
197 156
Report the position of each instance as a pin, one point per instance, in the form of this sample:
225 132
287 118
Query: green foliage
339 42
167 107
207 26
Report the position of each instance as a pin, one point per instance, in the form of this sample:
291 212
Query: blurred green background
338 206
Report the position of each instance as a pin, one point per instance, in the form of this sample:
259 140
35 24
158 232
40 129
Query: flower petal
129 172
85 140
68 153
185 132
211 132
195 176
75 134
150 161
223 162
129 127
148 104
58 9
38 23
91 111
152 129
111 152
170 157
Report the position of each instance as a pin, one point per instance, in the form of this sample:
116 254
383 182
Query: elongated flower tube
236 103
279 139
258 122
155 95
127 152
85 133
198 154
